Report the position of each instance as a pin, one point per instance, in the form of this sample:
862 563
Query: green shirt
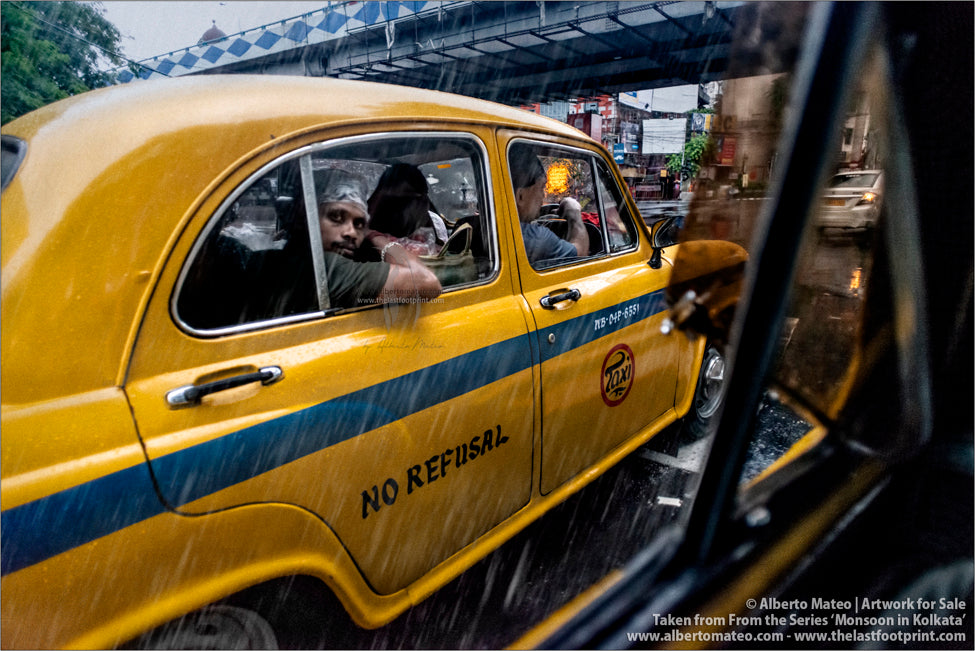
354 284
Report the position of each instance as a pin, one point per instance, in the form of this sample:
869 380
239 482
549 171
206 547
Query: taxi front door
606 371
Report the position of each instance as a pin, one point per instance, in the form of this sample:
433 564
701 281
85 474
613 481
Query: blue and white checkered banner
332 22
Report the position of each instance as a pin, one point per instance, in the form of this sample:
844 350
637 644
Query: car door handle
191 394
548 302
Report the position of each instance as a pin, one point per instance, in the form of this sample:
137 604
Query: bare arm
577 235
408 277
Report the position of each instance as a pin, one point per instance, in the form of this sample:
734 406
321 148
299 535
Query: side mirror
663 233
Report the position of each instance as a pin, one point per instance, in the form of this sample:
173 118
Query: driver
529 179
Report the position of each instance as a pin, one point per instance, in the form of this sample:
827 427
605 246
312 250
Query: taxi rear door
408 428
607 373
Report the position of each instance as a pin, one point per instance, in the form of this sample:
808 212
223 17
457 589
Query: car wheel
213 627
708 394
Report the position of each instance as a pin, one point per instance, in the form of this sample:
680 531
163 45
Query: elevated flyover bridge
510 52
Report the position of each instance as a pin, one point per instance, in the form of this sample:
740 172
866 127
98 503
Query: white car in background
852 200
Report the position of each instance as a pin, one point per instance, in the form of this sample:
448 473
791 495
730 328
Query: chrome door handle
548 302
191 394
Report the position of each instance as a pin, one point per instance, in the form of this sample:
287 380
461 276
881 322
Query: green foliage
696 149
51 50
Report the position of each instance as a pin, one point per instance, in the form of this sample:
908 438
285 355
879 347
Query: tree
51 50
695 150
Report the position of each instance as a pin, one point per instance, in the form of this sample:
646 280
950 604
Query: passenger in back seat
342 216
400 207
399 276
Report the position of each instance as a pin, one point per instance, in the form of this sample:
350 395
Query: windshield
817 348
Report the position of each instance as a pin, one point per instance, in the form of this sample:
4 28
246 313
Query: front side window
299 239
569 205
617 225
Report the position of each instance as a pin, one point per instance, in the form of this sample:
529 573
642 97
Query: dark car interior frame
916 515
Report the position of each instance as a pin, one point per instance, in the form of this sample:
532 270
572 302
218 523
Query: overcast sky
153 27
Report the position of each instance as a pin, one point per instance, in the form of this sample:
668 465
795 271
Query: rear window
14 150
256 264
853 180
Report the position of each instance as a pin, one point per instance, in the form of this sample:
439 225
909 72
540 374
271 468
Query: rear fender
115 588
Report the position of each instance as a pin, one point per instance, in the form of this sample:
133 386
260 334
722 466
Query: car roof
304 99
108 177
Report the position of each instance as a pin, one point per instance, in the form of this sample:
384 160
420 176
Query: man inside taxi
529 179
399 276
342 217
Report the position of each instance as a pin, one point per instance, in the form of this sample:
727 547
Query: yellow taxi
203 392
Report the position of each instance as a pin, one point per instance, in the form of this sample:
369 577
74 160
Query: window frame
591 156
633 230
305 152
706 563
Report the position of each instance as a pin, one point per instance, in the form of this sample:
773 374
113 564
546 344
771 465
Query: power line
71 34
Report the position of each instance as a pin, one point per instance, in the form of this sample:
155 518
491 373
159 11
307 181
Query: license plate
836 202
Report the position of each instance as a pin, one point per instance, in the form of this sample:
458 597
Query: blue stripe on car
38 530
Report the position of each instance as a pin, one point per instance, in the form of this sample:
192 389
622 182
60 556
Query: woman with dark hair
400 207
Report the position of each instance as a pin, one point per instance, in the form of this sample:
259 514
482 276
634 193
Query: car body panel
626 334
94 430
166 564
320 472
96 467
386 419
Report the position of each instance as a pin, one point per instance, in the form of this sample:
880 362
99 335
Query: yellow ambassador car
188 409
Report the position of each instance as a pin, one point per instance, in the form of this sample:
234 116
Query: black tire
213 627
708 395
